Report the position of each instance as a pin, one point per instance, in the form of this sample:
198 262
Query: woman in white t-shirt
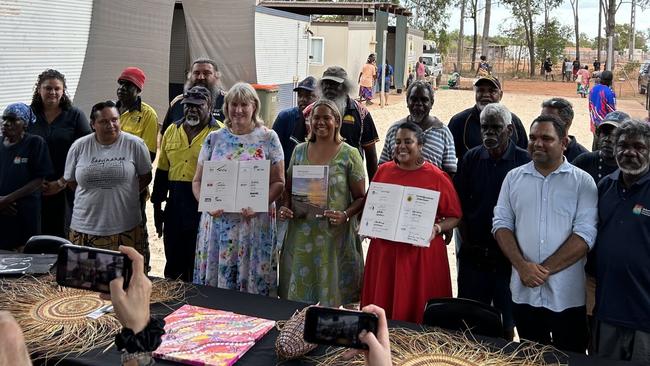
108 169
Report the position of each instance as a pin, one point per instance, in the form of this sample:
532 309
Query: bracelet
146 341
143 358
437 228
347 218
61 183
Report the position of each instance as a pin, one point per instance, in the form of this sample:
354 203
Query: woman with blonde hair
321 258
238 251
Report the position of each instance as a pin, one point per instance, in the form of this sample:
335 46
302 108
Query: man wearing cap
290 123
563 109
179 152
357 126
205 73
602 101
599 164
136 116
622 330
466 125
24 163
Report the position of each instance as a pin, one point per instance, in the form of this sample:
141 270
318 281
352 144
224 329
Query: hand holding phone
338 327
90 268
132 306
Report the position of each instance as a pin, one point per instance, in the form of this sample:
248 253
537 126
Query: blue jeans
489 287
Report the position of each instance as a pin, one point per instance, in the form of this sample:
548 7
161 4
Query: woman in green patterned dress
321 259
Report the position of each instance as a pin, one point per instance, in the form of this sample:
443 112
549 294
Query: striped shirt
438 147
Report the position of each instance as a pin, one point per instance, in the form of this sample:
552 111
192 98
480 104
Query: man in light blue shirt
545 223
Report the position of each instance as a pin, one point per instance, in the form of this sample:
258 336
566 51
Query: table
263 353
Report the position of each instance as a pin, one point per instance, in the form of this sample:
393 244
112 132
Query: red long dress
401 277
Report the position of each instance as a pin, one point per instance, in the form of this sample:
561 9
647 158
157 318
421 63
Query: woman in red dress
401 277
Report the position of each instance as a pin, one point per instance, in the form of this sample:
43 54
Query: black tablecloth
263 353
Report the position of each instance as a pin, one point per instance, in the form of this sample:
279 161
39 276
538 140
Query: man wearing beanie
139 119
136 117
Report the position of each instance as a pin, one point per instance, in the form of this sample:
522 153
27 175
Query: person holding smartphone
131 307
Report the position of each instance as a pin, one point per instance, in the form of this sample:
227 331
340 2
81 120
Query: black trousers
54 210
565 330
181 223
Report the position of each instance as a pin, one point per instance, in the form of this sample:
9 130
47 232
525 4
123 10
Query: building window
316 50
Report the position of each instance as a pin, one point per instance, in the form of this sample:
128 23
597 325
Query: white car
433 63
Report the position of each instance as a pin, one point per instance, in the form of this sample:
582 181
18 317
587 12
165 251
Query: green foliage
622 38
551 40
429 16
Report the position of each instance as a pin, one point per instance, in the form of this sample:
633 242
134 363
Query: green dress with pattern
321 262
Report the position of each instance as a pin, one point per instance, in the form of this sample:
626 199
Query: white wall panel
40 34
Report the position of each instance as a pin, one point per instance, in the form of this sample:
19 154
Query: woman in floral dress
238 251
322 259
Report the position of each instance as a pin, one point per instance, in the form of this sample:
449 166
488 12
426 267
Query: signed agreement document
399 213
231 185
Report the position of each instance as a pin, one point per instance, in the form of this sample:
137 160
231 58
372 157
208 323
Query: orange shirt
368 72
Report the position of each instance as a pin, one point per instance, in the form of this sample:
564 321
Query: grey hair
494 110
242 92
633 128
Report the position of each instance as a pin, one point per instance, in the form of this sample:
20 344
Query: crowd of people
528 210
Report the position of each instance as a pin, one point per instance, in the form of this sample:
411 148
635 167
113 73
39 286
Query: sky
588 17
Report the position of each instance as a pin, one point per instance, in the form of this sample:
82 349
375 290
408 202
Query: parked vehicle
433 63
644 77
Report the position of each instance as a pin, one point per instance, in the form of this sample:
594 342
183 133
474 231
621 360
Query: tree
622 35
486 27
524 11
459 54
428 16
551 40
576 30
474 11
585 41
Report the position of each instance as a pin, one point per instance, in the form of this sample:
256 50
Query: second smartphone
338 327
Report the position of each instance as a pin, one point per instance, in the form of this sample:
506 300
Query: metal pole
382 82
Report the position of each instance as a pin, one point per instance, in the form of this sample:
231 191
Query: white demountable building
92 41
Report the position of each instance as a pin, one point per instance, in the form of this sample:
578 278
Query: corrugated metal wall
281 51
40 34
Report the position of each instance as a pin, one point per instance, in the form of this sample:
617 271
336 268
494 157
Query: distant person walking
367 79
575 66
420 69
568 67
582 81
602 100
548 69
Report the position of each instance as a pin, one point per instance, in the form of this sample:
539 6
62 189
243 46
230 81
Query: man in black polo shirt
466 126
599 164
484 272
204 73
563 109
623 250
357 126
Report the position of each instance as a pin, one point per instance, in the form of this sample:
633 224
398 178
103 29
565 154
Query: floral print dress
321 262
231 252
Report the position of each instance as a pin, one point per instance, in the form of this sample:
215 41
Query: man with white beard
622 329
466 125
357 126
205 73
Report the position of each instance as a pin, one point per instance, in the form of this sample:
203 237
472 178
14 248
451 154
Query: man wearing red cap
136 117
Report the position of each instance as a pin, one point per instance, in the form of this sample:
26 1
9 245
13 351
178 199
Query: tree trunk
574 7
486 28
600 27
611 18
531 38
459 55
475 37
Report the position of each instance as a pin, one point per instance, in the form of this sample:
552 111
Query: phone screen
91 269
338 327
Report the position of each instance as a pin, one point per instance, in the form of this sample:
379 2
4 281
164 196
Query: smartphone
90 268
336 327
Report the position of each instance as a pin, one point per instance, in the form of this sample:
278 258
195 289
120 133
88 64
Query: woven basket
290 343
437 360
